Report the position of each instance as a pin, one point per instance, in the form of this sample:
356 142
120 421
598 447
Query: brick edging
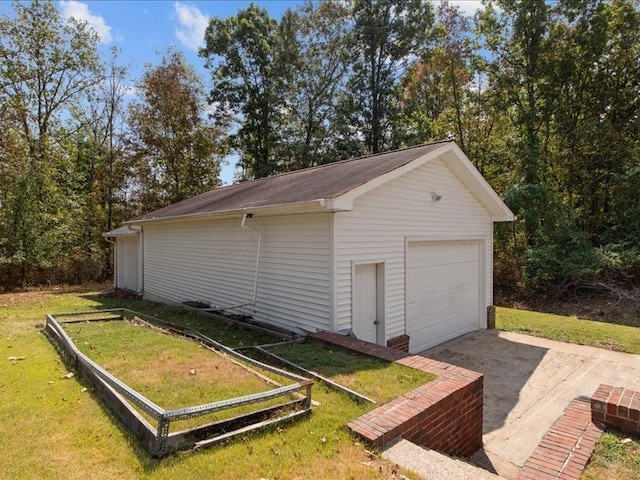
566 448
444 415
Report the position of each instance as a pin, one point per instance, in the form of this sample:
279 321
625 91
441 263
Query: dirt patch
35 295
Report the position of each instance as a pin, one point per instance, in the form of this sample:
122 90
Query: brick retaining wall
617 407
566 448
444 415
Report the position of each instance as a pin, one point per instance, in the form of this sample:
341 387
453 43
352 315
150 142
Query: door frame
380 296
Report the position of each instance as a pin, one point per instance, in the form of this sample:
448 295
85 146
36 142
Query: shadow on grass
226 332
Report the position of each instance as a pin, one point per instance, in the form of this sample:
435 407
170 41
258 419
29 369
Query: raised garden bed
149 378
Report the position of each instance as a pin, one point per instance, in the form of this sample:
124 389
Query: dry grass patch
171 371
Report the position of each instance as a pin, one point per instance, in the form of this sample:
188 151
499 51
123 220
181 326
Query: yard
53 427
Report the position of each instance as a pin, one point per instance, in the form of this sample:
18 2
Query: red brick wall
617 407
451 424
444 415
400 342
491 317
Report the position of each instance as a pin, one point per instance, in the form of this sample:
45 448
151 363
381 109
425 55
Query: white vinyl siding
128 269
384 220
214 261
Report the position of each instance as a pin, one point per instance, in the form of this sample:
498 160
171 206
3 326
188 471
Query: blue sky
143 30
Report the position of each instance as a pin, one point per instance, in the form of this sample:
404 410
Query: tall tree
389 35
436 91
596 118
177 152
46 63
318 81
251 57
518 40
100 168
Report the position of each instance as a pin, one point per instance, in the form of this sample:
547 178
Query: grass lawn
616 458
621 338
374 378
50 428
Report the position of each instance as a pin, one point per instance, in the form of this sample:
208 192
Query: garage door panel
425 254
442 291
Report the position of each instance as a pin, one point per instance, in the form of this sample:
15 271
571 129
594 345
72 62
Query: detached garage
394 248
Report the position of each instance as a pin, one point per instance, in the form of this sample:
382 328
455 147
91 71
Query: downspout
255 281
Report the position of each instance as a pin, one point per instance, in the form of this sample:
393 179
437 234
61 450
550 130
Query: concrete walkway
528 382
432 465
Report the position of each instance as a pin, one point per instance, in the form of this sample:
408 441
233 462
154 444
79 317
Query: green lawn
52 428
569 329
616 457
374 378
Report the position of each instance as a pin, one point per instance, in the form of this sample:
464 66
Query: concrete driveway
528 382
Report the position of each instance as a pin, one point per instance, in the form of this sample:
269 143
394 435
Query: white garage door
443 291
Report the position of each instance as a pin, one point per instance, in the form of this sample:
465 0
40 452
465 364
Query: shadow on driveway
506 365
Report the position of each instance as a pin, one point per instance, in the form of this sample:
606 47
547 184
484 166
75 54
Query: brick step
432 465
566 448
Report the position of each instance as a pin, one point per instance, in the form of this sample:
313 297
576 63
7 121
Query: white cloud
80 11
192 25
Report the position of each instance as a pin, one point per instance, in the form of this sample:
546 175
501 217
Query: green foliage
388 36
318 84
543 97
250 56
46 63
177 154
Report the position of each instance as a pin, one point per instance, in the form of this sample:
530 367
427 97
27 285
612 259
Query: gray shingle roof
322 182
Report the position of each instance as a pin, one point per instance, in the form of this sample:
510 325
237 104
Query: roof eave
320 205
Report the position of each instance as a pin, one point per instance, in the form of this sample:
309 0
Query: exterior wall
214 261
383 220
